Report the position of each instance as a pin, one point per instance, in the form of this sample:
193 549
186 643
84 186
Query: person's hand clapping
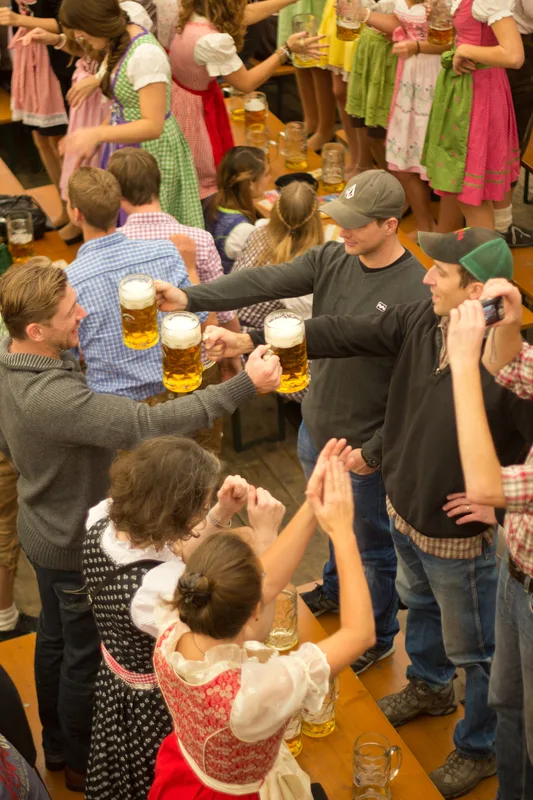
265 515
332 503
512 300
169 297
466 332
231 498
264 374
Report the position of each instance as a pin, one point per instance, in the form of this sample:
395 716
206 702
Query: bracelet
216 523
284 54
287 48
367 15
418 47
61 42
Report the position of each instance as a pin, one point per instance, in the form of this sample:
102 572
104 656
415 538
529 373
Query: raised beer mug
292 144
440 26
19 226
309 24
375 763
255 109
348 20
138 308
284 631
181 337
285 333
323 722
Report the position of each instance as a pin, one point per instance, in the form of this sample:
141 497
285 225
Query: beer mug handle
282 138
395 755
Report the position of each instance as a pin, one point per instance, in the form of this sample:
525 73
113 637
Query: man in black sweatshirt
447 567
369 272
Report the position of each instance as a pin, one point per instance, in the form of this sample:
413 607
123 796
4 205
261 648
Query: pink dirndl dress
493 152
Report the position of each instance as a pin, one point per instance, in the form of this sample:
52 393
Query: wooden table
329 760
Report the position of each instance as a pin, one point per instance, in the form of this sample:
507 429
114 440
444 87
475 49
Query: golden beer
305 62
138 310
441 36
309 24
237 114
323 722
293 734
19 226
285 333
297 163
348 31
255 109
283 634
181 336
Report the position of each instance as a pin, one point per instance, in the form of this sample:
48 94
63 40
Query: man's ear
475 290
78 216
34 332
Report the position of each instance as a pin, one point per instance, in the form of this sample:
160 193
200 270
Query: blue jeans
511 688
67 657
450 623
371 528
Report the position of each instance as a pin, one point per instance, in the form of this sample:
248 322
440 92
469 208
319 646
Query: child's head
221 588
295 223
242 177
162 490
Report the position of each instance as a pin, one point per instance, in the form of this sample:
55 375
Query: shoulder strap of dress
143 562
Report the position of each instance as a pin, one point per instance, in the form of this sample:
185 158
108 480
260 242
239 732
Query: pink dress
493 154
413 94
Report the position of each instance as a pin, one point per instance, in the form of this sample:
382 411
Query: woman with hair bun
231 699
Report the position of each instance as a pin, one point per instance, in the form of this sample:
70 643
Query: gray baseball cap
375 194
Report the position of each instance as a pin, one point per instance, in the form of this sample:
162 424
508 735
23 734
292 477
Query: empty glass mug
309 24
292 144
333 158
284 631
375 763
440 26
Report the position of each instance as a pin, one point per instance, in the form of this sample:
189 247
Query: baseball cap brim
436 246
344 216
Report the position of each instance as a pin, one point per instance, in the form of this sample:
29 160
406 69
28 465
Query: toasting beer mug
333 158
181 336
20 236
307 23
348 20
285 333
293 734
375 763
292 143
284 631
255 109
440 27
323 722
139 312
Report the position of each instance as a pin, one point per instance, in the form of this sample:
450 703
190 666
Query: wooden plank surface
5 107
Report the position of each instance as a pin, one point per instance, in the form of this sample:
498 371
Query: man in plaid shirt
510 360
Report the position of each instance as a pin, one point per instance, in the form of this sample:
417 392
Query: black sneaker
318 602
518 237
25 624
415 699
460 774
370 658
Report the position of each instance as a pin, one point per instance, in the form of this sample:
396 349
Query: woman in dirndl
471 151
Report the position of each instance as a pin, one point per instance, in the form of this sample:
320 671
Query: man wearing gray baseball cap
368 272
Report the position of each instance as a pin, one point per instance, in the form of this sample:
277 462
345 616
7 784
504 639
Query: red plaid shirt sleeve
517 484
518 374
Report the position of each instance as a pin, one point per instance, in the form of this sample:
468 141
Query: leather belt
521 577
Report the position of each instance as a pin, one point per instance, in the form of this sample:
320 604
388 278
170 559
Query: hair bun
194 589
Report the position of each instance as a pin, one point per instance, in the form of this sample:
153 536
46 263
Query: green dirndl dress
371 84
179 195
286 14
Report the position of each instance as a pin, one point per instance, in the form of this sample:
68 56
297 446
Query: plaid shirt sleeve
210 268
518 374
517 484
253 255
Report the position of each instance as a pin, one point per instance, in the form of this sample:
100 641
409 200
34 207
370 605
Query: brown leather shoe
75 781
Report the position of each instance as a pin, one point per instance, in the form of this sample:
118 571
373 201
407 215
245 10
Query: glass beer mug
307 23
138 308
284 631
285 333
440 27
323 722
348 20
258 136
236 105
19 226
293 734
255 109
375 763
292 143
181 336
333 158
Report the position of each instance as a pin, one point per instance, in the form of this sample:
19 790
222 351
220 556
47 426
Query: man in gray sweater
62 437
368 273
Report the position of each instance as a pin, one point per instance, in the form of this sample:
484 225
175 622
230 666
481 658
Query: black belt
521 577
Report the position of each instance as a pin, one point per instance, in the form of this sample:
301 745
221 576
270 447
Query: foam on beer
181 332
254 104
284 332
136 294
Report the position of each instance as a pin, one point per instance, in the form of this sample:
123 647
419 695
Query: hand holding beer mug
304 24
440 26
169 297
20 236
138 308
285 333
181 336
348 20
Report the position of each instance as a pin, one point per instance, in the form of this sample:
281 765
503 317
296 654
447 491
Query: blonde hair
30 293
97 195
226 16
295 223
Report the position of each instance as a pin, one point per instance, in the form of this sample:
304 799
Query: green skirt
286 14
371 83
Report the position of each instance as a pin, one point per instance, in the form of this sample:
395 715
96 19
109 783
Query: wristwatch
370 462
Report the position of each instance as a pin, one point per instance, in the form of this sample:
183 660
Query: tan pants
9 543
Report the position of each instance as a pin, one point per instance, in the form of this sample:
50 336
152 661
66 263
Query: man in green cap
446 545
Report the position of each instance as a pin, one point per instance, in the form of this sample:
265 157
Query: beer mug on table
284 631
375 763
255 109
292 144
333 159
348 20
293 734
236 105
440 26
309 24
285 333
19 226
138 308
259 136
323 722
181 337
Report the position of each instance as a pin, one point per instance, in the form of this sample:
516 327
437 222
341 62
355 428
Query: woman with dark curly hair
208 38
135 551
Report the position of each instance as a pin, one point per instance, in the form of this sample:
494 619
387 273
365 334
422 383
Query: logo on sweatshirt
381 306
